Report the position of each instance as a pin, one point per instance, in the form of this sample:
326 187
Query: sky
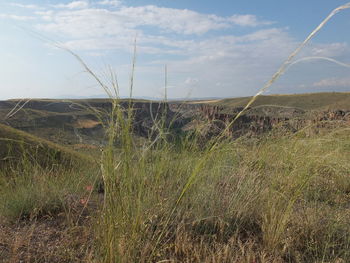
211 49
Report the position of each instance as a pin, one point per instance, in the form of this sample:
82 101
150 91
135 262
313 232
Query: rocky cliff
210 120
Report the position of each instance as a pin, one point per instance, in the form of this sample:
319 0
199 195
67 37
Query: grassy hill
70 122
307 101
16 145
76 122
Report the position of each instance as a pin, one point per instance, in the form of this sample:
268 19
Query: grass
135 184
16 144
44 190
264 198
277 198
33 192
38 177
311 101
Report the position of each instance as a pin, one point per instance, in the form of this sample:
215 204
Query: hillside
16 145
76 121
308 101
80 123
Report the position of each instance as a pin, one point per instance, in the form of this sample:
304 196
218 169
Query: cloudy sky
224 48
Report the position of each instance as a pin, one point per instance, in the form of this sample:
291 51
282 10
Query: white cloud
329 50
110 2
74 5
227 63
247 20
242 62
45 15
16 17
184 21
95 44
180 21
30 6
333 82
173 20
234 65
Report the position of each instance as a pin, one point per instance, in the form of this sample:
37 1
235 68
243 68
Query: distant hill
309 101
81 122
71 122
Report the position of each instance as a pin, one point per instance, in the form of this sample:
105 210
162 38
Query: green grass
16 144
34 192
279 198
37 176
283 198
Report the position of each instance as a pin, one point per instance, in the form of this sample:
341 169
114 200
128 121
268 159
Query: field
130 182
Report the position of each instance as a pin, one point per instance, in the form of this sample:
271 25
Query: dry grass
45 240
278 199
281 198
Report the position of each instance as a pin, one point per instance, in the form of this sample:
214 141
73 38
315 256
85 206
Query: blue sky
211 48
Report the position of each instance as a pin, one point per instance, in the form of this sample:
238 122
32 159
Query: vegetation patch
20 147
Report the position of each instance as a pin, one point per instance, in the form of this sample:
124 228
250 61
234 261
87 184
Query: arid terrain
82 121
101 180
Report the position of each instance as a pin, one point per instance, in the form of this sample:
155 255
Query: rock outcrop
211 120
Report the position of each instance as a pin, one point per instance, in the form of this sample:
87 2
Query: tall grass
278 199
37 180
281 198
148 200
250 197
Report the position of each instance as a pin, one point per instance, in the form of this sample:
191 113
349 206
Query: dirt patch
60 238
86 124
